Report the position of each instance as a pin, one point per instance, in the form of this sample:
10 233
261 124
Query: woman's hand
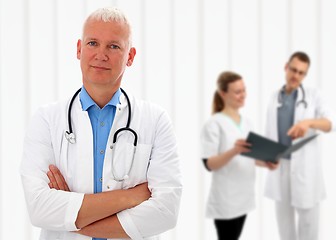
241 146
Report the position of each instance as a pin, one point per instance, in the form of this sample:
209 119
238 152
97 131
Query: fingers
272 165
242 146
243 143
56 178
298 130
294 132
52 180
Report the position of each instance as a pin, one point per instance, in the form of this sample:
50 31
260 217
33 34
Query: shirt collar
293 94
87 101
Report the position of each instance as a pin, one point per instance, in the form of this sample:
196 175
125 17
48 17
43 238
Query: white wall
181 48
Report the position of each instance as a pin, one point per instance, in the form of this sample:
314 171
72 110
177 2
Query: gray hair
111 14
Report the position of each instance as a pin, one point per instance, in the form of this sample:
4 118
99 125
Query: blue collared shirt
101 122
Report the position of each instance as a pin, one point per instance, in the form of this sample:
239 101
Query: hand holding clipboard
268 150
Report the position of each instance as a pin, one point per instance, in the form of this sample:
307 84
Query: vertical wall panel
158 52
304 33
14 80
187 44
42 51
1 111
69 77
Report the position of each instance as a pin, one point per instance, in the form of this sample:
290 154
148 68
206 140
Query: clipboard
266 149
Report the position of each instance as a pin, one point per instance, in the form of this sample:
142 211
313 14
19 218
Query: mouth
294 81
100 68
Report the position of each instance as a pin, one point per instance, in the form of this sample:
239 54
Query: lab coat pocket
138 171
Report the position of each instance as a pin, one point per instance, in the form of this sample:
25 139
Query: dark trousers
229 229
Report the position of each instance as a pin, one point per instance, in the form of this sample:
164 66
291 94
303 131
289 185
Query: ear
221 93
286 67
79 46
131 56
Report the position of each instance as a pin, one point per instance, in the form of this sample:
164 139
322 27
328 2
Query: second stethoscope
70 136
302 101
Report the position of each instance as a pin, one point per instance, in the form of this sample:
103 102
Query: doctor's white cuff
128 225
75 203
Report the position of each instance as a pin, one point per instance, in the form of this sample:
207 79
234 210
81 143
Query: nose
102 54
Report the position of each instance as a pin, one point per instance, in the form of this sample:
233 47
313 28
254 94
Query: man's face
104 53
296 71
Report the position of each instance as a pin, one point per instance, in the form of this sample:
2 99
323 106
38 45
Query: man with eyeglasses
295 112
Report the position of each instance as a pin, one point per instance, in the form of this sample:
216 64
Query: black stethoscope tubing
303 99
115 136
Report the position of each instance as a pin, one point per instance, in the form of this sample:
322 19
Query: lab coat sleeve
210 139
159 213
48 208
323 110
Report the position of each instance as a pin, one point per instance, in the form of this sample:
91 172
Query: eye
92 43
114 46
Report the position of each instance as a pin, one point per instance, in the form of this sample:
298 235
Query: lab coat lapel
83 149
120 120
299 108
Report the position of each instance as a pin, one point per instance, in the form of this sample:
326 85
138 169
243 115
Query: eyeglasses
295 70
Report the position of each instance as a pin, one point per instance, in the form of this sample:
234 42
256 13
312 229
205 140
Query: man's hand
56 179
299 130
267 164
139 193
272 165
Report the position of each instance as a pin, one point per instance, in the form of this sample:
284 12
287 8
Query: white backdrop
182 45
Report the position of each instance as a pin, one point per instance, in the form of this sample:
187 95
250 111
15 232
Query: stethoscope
71 137
302 101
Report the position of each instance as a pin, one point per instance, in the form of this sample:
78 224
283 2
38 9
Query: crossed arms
96 217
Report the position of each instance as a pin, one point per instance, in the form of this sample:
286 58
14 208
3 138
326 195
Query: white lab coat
156 161
306 179
232 187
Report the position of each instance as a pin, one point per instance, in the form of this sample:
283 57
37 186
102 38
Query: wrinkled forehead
108 31
115 16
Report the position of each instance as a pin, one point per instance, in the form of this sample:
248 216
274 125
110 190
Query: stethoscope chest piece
70 137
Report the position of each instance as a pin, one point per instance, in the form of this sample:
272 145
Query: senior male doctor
296 111
104 165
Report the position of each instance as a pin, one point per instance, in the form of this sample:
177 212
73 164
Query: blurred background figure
297 186
232 193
